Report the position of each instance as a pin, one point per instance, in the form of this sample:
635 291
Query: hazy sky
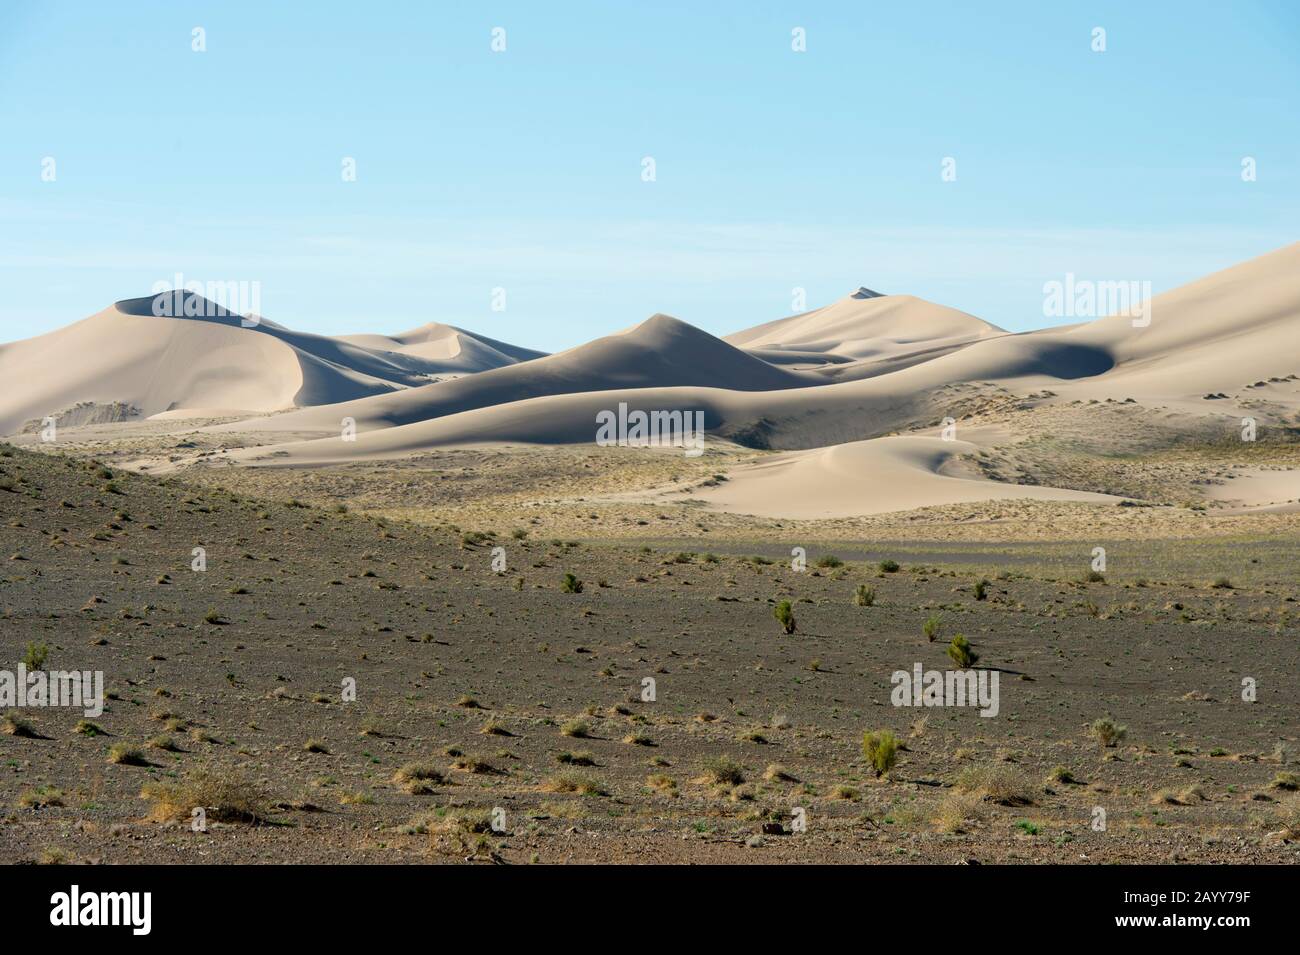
523 169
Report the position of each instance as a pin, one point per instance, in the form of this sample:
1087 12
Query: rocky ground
480 691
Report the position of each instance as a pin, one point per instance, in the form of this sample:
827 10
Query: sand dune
866 326
866 477
1247 314
127 355
455 350
659 352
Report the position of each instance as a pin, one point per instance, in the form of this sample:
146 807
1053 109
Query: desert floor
479 690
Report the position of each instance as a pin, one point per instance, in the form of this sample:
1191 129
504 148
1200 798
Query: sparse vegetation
880 747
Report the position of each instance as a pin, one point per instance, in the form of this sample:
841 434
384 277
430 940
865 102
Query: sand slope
659 352
850 336
454 350
129 355
1228 329
866 477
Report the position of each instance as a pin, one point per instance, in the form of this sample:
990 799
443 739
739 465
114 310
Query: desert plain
386 598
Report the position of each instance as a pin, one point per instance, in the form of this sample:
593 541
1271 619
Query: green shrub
35 654
888 566
830 561
981 589
881 749
1107 732
570 585
933 624
961 653
784 614
864 596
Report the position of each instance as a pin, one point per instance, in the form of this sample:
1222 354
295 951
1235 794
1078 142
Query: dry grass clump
576 729
574 783
778 774
580 758
1288 814
958 812
418 779
1107 732
14 725
42 797
723 771
1185 797
224 796
1289 782
661 782
996 782
124 754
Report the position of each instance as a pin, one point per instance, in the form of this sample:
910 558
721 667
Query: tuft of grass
864 596
418 779
776 773
576 729
880 747
35 655
723 771
784 614
570 585
932 627
124 754
580 758
981 589
224 796
1107 732
1221 583
1060 774
14 725
315 746
88 728
996 782
575 783
829 562
958 812
888 566
961 652
1289 782
41 797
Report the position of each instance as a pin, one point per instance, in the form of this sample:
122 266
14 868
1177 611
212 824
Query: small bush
981 589
224 796
573 783
829 562
35 655
576 729
864 596
15 725
723 771
1107 732
932 627
881 749
570 585
888 566
123 754
997 783
961 653
784 614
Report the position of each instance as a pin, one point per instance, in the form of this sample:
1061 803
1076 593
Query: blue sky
522 170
